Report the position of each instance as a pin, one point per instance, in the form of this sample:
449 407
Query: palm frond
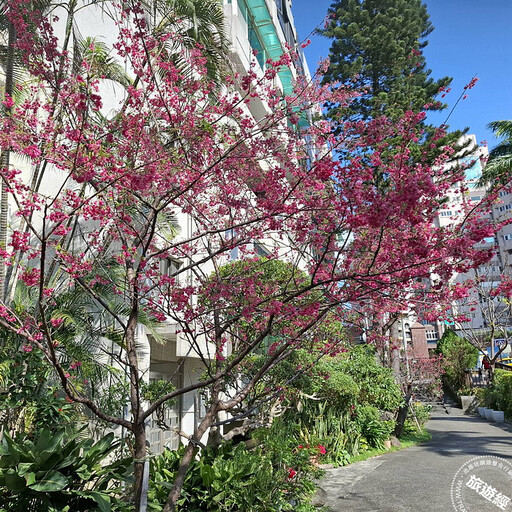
498 170
5 367
98 56
18 70
196 22
501 128
168 225
503 149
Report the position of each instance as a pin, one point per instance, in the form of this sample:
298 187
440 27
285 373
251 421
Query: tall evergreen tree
377 45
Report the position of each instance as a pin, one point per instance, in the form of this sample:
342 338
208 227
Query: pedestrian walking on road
487 366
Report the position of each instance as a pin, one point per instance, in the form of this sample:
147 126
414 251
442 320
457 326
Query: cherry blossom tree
119 177
488 294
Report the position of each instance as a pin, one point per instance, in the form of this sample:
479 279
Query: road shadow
455 433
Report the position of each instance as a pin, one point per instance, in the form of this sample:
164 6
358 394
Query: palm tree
498 170
86 332
195 22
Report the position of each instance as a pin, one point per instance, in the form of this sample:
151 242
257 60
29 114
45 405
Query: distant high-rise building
482 311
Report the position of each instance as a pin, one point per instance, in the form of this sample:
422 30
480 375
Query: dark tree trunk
139 456
402 412
186 460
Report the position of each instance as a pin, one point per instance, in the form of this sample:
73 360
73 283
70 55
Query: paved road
419 479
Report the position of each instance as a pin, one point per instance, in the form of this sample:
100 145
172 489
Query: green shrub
410 428
417 416
372 428
331 427
376 383
421 412
57 474
458 356
349 378
339 404
274 476
340 389
499 395
29 401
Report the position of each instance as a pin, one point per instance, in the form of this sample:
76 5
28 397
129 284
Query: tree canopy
458 356
377 47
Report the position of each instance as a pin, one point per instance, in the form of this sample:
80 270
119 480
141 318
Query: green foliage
351 377
154 390
337 402
101 62
499 395
418 415
373 429
322 377
261 281
376 46
421 412
498 170
28 400
29 387
274 476
113 397
340 401
376 383
339 388
458 355
331 427
410 428
57 473
198 22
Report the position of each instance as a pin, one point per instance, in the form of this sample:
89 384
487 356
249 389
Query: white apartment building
480 308
465 194
265 27
257 30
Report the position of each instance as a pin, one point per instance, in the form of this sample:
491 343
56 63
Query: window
252 34
282 13
260 250
163 423
233 254
431 335
256 44
488 269
446 213
505 207
507 237
170 266
284 21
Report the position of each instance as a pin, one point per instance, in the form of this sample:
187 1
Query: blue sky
471 37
